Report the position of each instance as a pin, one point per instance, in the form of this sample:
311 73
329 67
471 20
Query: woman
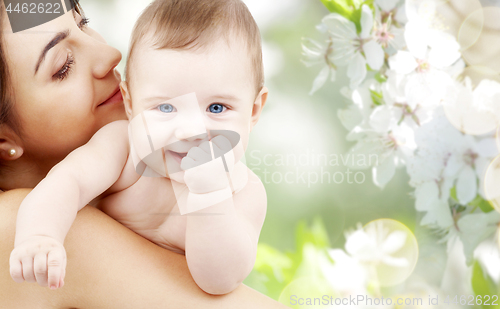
58 86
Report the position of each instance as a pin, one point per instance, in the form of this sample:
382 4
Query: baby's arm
48 211
221 240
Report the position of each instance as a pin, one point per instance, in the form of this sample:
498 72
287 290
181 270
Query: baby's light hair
192 24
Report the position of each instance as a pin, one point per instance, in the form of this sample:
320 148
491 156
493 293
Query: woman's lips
116 97
178 155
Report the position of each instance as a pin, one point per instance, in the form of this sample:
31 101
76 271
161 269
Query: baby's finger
205 146
28 273
16 269
61 281
197 154
55 263
187 163
40 269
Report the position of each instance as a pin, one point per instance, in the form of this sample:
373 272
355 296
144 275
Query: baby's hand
40 259
203 174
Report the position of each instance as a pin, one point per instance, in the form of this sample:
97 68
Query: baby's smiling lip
178 156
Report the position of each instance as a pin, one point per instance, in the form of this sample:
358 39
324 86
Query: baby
173 173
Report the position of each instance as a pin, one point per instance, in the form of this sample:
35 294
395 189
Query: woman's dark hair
7 112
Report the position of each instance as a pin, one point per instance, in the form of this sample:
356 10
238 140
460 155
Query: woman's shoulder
11 200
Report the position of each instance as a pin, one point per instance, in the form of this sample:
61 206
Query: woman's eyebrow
58 38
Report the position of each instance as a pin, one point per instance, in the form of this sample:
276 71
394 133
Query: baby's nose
191 132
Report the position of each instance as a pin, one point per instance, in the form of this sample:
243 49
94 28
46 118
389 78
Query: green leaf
477 202
381 78
483 204
356 13
316 234
482 283
377 97
359 3
453 193
341 7
271 261
274 270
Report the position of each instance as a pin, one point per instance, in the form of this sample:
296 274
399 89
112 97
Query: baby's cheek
162 134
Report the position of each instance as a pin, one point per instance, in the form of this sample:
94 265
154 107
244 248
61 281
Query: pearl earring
12 152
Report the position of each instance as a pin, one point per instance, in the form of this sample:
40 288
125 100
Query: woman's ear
10 144
127 101
258 105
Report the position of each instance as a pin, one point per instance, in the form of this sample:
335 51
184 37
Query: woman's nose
107 58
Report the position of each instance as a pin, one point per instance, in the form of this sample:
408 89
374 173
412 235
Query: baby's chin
177 177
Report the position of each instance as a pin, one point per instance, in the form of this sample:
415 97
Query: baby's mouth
177 155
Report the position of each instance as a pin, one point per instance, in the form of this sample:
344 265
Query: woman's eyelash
83 23
66 68
70 61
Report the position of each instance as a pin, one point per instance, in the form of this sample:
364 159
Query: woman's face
65 86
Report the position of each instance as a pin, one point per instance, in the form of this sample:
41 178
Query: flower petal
403 62
454 165
396 262
387 5
350 117
426 195
340 27
320 80
416 39
366 21
358 242
365 148
395 241
374 54
445 49
382 118
383 173
466 185
439 215
486 147
356 70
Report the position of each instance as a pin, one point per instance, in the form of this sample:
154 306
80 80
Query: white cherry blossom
376 246
349 45
315 53
415 110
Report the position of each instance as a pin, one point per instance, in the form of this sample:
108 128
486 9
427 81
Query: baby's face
185 96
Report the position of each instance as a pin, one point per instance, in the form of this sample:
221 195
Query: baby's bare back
149 208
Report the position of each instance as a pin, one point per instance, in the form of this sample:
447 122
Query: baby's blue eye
216 108
166 108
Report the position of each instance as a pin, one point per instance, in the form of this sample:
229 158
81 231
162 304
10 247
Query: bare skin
58 115
103 276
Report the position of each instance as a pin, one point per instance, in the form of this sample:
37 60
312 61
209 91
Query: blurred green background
294 124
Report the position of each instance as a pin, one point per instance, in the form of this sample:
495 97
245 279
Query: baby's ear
127 101
258 105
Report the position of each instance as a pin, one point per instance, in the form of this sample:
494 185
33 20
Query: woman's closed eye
167 108
70 60
216 108
65 69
